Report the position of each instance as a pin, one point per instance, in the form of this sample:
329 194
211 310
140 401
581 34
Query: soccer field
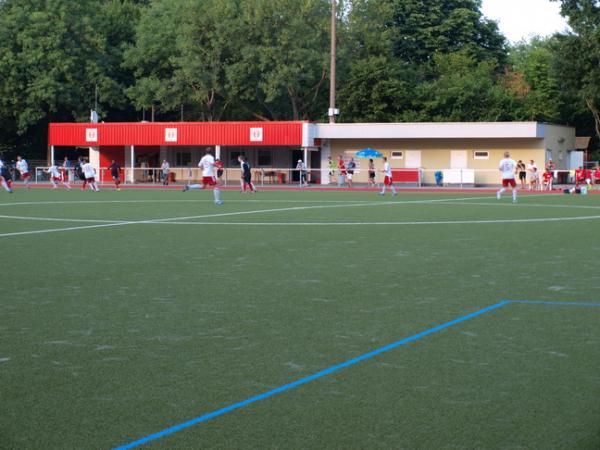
299 320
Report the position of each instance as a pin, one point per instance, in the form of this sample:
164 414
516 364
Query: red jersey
580 175
597 174
547 176
342 167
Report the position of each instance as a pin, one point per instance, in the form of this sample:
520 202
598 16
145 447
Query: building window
397 154
265 158
183 159
478 154
233 158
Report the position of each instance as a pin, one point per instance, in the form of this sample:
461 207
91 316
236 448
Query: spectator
371 173
547 179
351 168
597 175
301 167
532 172
165 169
522 171
341 171
219 167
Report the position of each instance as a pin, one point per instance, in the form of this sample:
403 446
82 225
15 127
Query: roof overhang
429 130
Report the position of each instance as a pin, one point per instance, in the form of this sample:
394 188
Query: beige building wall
436 154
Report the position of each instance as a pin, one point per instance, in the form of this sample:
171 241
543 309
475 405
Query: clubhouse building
464 152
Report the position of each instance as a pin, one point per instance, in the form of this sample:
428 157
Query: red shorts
90 180
56 178
387 181
509 182
209 181
25 175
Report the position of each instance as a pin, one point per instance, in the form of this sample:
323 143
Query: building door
458 159
413 159
296 155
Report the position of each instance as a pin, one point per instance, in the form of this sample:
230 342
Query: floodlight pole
332 110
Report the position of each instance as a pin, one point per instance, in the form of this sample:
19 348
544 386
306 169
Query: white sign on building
170 134
91 135
256 134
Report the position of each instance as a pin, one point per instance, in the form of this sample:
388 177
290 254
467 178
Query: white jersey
88 170
53 170
507 167
22 166
387 169
207 164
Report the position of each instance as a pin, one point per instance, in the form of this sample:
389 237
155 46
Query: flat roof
432 130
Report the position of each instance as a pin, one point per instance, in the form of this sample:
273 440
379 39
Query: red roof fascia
176 133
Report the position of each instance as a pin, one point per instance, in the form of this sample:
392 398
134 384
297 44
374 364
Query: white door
458 159
413 159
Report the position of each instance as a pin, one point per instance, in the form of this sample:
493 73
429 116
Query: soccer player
246 175
533 176
387 180
89 174
56 176
115 173
507 167
5 178
371 173
207 164
23 169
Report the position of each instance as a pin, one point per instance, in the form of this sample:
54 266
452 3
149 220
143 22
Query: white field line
446 222
56 219
535 205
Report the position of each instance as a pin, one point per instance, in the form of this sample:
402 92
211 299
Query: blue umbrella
368 153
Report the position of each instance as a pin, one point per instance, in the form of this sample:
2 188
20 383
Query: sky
521 19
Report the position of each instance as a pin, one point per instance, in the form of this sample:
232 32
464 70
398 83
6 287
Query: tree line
205 60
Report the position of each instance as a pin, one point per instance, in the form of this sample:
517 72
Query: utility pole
333 111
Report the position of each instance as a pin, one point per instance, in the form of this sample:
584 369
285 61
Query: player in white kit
207 164
387 180
507 168
89 174
23 169
56 176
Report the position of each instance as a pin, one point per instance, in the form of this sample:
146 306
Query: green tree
579 53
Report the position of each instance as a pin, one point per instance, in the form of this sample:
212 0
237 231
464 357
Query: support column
217 152
129 163
325 154
51 155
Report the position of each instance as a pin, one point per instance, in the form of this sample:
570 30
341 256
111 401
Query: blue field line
286 387
560 303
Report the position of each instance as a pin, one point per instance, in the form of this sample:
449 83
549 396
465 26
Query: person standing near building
387 180
547 179
5 177
246 175
351 168
57 177
23 169
67 169
301 168
522 171
207 164
89 173
165 169
115 173
532 174
507 168
341 171
219 167
371 173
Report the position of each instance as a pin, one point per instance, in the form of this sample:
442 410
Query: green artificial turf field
150 308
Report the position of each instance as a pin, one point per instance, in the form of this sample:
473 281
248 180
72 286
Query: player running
89 174
207 164
23 169
56 176
5 178
115 173
508 167
387 180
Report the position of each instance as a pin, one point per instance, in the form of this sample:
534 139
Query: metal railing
289 176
